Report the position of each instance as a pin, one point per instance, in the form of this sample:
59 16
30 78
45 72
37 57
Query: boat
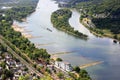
49 29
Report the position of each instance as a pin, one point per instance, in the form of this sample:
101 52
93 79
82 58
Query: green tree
59 59
77 69
60 75
26 77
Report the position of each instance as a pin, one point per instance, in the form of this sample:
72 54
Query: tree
9 74
59 59
3 77
60 75
77 69
26 77
3 65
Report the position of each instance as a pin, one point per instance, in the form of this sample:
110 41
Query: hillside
104 14
11 3
17 9
68 3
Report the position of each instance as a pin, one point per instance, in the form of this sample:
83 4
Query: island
60 19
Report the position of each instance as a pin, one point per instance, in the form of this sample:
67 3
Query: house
0 58
68 67
64 66
7 55
10 61
18 64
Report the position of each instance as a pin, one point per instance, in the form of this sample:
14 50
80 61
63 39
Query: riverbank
22 30
98 32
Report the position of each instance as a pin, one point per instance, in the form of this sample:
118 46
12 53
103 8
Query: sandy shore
24 20
23 31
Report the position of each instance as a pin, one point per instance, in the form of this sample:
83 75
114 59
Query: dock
60 53
90 64
37 45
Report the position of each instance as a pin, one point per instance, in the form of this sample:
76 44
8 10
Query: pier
90 64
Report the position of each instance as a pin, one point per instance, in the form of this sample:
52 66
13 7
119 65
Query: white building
63 65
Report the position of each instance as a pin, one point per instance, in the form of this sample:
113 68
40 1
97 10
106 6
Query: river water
83 52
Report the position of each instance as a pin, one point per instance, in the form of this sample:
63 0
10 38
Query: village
10 67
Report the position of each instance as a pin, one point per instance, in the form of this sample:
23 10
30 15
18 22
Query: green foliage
104 14
2 48
84 75
77 69
60 75
108 23
48 77
20 42
3 65
60 19
59 59
7 74
19 13
26 77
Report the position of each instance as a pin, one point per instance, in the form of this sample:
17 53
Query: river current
82 52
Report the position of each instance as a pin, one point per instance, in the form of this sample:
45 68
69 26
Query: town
11 67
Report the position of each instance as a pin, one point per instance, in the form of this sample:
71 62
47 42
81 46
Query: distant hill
68 3
105 14
12 3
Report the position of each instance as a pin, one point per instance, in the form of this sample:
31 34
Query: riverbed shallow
83 52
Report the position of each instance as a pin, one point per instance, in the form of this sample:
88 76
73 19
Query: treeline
107 23
18 13
19 41
80 74
60 19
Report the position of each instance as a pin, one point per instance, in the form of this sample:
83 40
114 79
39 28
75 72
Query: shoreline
108 35
83 66
23 31
56 18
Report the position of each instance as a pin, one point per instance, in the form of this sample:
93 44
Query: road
29 66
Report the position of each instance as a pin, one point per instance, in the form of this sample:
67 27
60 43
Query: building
63 66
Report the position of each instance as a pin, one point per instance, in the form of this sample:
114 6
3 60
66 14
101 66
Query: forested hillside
68 3
11 3
105 14
17 9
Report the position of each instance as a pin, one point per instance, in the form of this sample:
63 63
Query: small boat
49 29
115 41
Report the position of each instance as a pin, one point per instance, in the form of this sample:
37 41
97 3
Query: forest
18 13
19 41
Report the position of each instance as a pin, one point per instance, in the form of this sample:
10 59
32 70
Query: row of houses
15 66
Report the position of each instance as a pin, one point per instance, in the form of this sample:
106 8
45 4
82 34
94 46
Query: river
94 49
